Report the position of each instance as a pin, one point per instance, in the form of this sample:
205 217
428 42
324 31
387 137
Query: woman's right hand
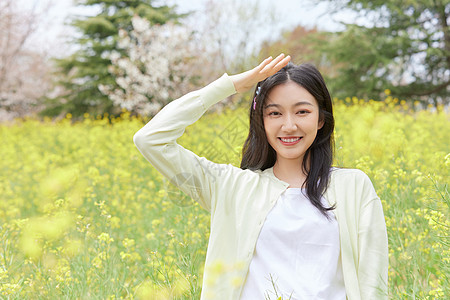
246 80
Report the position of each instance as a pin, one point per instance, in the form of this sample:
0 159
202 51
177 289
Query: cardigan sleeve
373 247
157 141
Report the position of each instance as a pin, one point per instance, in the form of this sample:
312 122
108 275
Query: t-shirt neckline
296 191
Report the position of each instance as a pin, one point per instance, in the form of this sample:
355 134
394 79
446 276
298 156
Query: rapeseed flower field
85 216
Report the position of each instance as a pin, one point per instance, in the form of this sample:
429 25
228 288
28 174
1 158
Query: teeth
289 140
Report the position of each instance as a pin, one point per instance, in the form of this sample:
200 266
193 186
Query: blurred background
96 57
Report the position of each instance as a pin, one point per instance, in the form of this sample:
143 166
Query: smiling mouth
290 140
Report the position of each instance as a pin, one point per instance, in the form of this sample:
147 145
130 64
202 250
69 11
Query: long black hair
258 154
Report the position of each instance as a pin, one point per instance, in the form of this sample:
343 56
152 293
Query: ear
321 123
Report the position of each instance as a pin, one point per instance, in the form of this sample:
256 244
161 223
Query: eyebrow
296 104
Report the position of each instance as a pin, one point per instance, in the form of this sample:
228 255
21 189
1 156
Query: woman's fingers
244 81
276 60
282 63
263 64
275 65
273 62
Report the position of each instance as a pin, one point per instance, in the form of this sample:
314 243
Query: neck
290 171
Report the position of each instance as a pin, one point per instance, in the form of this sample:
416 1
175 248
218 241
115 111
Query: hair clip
254 99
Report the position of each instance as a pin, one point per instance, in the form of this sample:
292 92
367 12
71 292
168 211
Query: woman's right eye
273 113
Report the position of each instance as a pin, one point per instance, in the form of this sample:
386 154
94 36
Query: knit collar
269 172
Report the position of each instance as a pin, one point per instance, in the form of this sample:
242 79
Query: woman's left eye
302 112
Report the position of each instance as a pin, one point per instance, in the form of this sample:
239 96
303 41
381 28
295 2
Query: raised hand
246 80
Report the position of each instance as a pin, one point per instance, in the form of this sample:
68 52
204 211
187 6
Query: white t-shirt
299 248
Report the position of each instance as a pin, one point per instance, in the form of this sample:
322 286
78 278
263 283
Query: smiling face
291 121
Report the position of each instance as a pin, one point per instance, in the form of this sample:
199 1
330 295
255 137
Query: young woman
285 216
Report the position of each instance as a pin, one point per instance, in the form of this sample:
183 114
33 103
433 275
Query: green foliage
81 73
402 45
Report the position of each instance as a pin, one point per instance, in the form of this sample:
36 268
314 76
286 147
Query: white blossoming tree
155 70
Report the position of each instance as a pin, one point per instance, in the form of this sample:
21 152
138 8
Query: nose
289 124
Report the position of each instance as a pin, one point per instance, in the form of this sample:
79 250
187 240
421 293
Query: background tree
161 63
156 69
298 43
229 36
86 69
399 45
23 70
